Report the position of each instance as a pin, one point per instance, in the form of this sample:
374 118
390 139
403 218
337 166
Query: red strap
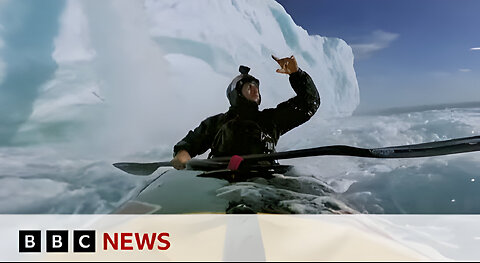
235 162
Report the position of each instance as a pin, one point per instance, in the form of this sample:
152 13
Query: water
67 178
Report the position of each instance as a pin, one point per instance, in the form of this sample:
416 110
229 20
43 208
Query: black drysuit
243 129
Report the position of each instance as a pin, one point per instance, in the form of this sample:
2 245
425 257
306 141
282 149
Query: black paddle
460 145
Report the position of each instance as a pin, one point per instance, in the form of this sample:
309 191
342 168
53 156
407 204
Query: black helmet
234 90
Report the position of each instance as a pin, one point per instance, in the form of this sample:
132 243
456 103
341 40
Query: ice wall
135 74
25 58
224 34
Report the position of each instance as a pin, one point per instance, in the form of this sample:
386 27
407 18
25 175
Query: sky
408 52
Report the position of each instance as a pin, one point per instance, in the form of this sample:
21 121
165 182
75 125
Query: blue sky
408 52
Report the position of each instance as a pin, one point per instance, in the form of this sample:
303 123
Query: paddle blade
140 168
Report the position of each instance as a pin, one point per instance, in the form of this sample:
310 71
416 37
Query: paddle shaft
460 145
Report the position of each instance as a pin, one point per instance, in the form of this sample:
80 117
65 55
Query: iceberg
133 73
25 59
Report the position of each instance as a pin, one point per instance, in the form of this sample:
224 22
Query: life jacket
240 136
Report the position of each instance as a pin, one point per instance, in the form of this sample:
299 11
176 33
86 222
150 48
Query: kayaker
243 129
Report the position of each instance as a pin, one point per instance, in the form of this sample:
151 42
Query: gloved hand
180 160
287 65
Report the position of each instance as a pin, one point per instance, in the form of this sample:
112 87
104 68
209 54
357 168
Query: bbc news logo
56 241
30 241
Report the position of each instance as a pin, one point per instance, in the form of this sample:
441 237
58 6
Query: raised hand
287 65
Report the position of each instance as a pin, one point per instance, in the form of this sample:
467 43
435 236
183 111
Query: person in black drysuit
243 129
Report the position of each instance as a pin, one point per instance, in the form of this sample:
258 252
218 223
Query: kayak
186 192
177 192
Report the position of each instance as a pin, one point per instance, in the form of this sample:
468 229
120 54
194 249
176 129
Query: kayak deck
186 192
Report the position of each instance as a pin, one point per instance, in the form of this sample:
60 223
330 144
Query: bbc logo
30 241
